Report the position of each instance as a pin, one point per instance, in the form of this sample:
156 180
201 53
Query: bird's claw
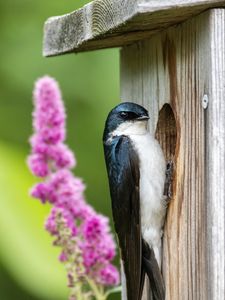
168 192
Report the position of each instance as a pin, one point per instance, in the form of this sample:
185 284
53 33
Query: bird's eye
124 114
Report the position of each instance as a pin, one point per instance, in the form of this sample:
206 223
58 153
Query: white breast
152 179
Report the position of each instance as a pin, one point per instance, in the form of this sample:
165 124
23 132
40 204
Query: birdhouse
172 61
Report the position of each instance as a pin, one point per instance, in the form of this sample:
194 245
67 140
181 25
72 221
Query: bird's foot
168 192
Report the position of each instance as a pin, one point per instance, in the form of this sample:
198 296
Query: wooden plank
215 159
113 23
179 66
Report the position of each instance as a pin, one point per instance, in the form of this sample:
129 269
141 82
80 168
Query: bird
136 169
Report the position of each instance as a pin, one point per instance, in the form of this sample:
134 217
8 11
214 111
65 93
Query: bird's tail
152 270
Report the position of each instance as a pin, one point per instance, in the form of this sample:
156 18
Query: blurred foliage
29 268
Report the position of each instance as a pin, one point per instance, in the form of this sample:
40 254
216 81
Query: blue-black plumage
136 172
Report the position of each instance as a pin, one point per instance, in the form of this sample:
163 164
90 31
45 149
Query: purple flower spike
87 246
49 154
49 115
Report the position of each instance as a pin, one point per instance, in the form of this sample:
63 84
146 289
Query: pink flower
90 258
66 190
84 236
49 115
109 275
63 257
98 246
51 223
38 165
94 228
58 154
62 156
48 151
40 191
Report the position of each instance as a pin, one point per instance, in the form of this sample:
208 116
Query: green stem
117 289
77 290
99 293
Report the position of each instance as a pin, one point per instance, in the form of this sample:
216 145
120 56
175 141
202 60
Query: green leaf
117 289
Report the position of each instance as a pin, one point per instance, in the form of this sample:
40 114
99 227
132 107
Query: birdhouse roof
114 23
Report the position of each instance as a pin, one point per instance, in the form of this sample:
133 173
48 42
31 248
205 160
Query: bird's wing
123 172
150 266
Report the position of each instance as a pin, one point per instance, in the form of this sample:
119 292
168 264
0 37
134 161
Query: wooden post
178 74
185 67
215 157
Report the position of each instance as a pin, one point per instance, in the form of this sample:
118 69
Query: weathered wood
215 159
113 23
179 66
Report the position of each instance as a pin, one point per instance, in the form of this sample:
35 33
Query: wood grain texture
215 159
178 66
113 23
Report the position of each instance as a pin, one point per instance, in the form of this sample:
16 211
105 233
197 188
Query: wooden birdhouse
172 61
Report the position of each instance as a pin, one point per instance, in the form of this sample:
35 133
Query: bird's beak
143 118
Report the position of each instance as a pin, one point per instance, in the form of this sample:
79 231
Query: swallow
136 169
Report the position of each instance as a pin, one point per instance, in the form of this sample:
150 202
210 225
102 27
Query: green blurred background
29 268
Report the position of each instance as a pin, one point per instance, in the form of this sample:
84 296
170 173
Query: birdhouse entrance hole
166 132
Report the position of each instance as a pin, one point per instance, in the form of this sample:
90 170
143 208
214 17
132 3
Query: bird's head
126 119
